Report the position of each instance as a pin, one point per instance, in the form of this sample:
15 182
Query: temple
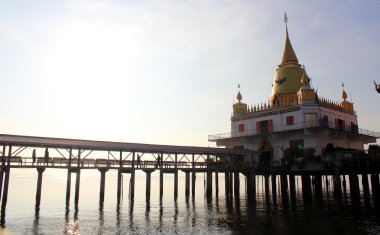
295 122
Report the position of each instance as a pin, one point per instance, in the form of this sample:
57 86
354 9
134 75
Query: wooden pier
127 158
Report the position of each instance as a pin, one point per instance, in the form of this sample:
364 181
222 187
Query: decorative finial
285 18
239 97
344 95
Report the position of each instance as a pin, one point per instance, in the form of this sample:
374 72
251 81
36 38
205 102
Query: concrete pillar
266 183
284 184
118 195
209 184
337 185
274 186
365 184
77 183
318 186
132 185
40 171
161 184
7 171
354 185
292 186
216 184
306 186
102 184
68 183
148 183
193 179
236 184
375 183
175 184
187 184
251 186
1 180
231 185
226 183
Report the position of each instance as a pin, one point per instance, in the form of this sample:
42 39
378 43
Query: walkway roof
48 142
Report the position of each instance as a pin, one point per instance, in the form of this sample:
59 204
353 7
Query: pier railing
296 126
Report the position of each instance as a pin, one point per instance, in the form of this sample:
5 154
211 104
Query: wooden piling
318 186
209 184
226 183
306 186
365 184
118 195
337 184
292 186
266 183
132 184
7 172
161 184
354 185
236 185
187 184
216 183
176 184
274 186
251 186
148 184
193 179
284 184
77 183
102 184
68 182
40 171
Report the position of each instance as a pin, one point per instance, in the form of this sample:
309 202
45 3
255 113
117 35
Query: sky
166 72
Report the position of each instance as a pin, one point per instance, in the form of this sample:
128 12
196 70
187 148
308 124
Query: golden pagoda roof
287 79
288 55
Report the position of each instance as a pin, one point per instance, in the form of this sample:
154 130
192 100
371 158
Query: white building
294 118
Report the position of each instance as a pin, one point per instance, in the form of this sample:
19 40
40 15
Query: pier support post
193 179
1 180
7 172
375 187
354 185
118 195
337 184
40 171
148 183
236 185
231 184
161 184
226 183
187 184
292 186
284 184
77 183
365 184
306 186
251 186
274 186
68 186
318 185
102 184
175 185
266 183
132 185
216 183
209 184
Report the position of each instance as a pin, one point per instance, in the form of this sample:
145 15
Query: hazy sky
166 72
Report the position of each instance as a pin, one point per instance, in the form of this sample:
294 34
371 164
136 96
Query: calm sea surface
270 215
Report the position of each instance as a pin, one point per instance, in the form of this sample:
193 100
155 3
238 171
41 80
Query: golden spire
305 79
288 55
239 97
344 95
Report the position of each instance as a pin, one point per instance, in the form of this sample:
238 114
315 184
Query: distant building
295 121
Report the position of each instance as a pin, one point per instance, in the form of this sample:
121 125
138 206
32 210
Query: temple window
241 128
290 120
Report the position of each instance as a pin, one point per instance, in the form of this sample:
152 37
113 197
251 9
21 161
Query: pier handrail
296 126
